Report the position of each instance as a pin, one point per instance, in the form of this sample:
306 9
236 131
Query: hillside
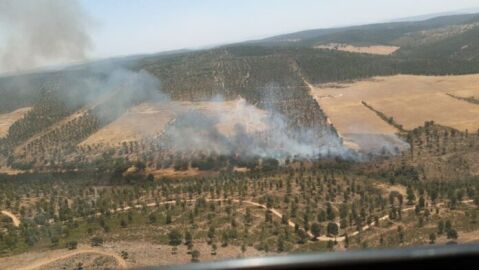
326 140
89 105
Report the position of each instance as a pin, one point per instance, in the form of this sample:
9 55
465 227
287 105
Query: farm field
409 100
150 119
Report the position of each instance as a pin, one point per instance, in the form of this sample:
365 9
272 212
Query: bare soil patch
373 49
172 173
9 171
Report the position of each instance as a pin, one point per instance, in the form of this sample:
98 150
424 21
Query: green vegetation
327 199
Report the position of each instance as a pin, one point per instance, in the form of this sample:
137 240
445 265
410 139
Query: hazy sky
141 26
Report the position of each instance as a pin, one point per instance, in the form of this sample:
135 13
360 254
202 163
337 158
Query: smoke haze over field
41 32
255 132
220 126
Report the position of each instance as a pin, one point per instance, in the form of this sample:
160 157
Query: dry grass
411 100
144 254
54 259
140 254
148 120
7 119
374 49
141 121
9 171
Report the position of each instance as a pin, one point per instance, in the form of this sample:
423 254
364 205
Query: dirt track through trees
123 265
51 259
15 220
276 213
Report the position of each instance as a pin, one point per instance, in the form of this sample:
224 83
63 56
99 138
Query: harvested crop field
7 119
410 100
150 119
373 49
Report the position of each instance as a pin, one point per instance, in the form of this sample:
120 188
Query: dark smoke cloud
41 32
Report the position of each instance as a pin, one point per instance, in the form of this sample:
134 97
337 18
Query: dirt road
15 220
51 259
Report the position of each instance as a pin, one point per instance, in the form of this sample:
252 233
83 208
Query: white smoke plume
41 32
271 137
226 127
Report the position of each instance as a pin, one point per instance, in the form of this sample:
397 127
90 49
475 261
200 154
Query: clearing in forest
7 119
150 119
373 49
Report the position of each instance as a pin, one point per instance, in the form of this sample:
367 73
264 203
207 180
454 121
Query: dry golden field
7 119
148 119
374 49
410 100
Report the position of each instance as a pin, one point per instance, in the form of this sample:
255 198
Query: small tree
123 223
448 225
213 249
224 239
188 238
330 244
410 195
281 247
432 238
302 236
316 230
440 227
330 212
55 241
401 234
195 256
211 234
332 229
452 234
168 218
175 237
124 254
71 245
96 241
152 218
79 266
